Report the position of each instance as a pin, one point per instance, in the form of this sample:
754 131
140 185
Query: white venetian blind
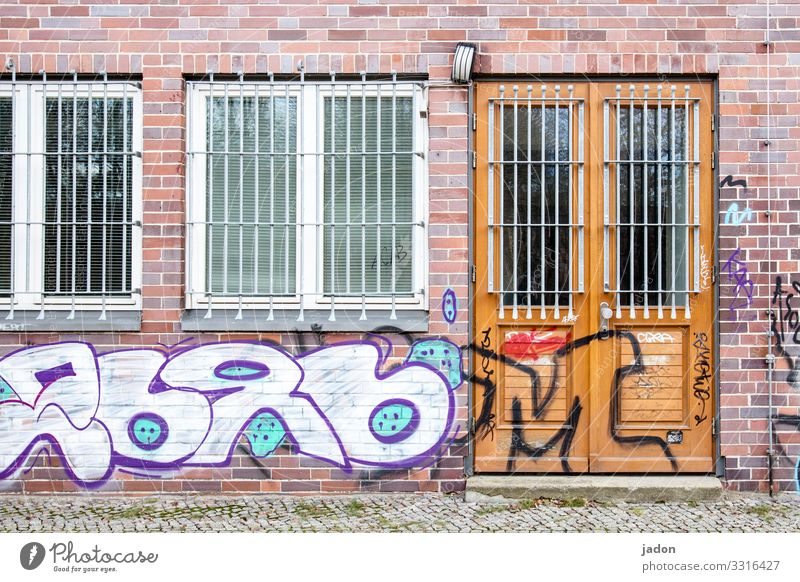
368 185
251 194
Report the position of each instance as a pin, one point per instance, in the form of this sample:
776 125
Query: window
650 159
649 139
70 182
538 165
306 196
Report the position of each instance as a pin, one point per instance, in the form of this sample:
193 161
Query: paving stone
390 513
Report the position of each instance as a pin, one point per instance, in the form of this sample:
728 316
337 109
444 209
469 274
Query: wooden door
581 365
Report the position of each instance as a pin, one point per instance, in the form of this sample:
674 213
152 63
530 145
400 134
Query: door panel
529 305
654 220
558 237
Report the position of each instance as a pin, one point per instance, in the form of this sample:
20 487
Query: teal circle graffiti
148 431
442 355
265 434
241 370
6 392
394 420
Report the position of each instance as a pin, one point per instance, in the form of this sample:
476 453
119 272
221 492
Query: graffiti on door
522 352
154 411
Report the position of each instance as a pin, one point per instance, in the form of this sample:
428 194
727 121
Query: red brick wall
725 39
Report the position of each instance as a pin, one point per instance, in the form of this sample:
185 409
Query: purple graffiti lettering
738 274
47 377
152 412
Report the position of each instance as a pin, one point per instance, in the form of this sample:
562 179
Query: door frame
718 461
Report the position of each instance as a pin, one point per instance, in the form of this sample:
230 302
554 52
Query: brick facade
164 44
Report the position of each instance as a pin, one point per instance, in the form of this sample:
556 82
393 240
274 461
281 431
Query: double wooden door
594 306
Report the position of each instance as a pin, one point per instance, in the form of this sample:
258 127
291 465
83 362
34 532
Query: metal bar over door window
655 142
534 164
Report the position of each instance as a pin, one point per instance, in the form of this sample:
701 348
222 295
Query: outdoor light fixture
462 62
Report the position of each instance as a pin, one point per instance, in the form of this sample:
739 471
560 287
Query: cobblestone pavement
390 513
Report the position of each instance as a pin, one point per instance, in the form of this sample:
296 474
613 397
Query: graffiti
729 181
155 411
735 268
785 329
786 324
486 419
534 344
565 434
400 255
559 347
738 274
702 379
650 337
705 269
792 420
735 216
570 318
442 355
449 306
646 385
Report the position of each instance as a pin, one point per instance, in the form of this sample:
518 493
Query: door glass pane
376 188
535 260
88 197
653 212
251 199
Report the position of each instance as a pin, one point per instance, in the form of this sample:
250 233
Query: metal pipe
770 356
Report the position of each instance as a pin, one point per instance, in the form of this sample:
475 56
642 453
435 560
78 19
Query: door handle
605 314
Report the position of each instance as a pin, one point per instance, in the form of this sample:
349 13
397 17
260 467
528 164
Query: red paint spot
533 344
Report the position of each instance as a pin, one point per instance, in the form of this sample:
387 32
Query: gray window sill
195 320
83 320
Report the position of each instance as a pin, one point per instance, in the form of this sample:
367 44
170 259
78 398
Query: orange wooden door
581 366
530 303
652 232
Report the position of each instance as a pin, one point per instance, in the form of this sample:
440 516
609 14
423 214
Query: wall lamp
462 62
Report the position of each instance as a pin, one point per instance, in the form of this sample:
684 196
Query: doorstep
633 488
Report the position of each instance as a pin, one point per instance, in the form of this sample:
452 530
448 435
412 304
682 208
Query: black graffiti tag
702 379
485 422
566 433
786 321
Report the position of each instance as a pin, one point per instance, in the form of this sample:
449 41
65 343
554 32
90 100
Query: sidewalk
390 513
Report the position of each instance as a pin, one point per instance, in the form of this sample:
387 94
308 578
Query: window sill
83 320
408 320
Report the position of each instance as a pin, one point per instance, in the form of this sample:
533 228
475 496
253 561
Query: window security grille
535 160
70 170
305 195
655 143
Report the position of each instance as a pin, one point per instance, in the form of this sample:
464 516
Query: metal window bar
501 314
83 262
339 164
515 230
681 126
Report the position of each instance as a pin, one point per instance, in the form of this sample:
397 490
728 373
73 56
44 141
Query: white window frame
309 196
29 186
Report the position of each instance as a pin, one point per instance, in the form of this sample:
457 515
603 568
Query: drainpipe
770 359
